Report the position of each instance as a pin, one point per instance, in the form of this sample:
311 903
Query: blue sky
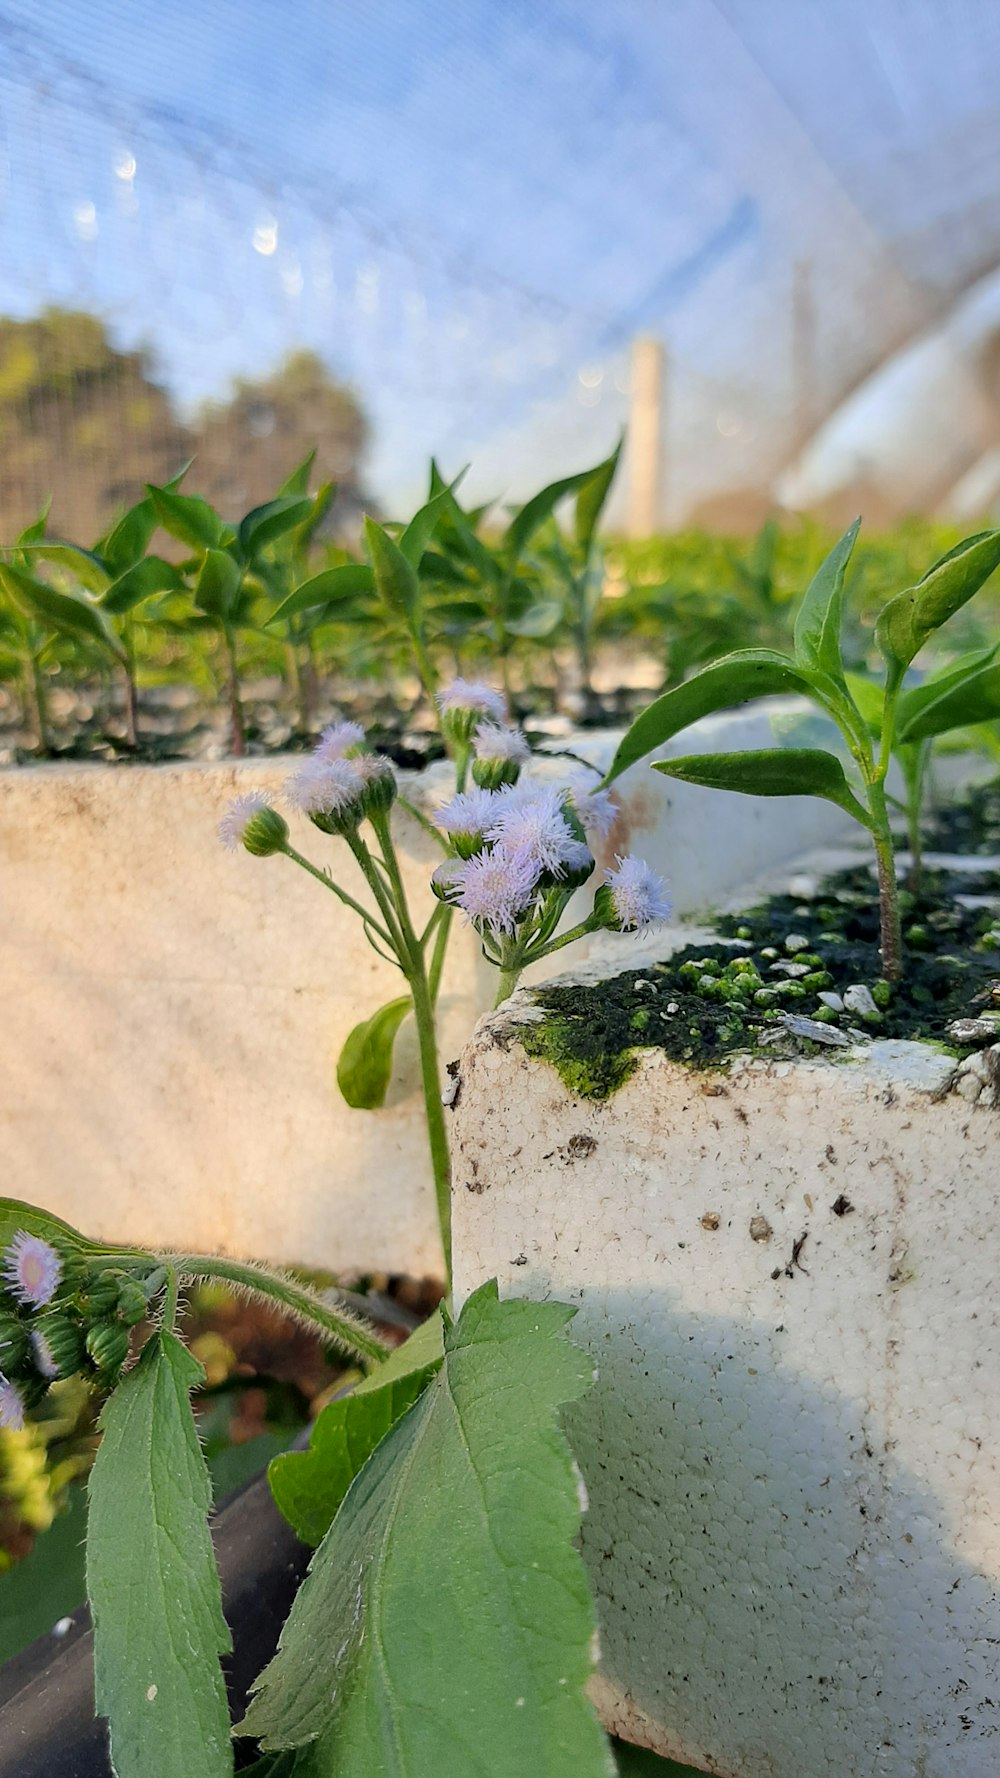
469 209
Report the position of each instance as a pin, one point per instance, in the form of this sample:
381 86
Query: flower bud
13 1345
501 751
445 879
101 1293
379 782
132 1304
57 1338
107 1343
265 833
605 914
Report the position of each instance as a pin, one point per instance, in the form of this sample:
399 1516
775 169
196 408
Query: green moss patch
707 1003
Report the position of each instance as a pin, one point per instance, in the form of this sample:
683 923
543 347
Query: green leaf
957 700
539 620
34 532
265 524
365 1063
817 624
906 622
188 517
308 1486
218 583
129 540
67 615
535 511
88 569
424 1347
750 673
333 587
151 574
395 580
869 698
772 771
151 1578
422 527
298 481
448 1591
16 1215
594 492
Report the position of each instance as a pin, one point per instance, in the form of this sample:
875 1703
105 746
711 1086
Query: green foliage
365 1064
448 1590
872 731
309 1486
152 1581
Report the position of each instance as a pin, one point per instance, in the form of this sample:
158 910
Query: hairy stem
342 1327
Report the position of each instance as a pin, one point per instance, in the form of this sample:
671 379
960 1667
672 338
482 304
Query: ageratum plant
899 717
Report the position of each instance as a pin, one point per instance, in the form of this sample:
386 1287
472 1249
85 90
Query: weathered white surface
793 1468
173 1015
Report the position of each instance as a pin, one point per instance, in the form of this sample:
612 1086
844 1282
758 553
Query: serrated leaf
448 1590
772 771
265 524
15 1215
395 580
188 517
592 495
61 612
308 1486
750 673
958 700
88 568
152 1582
148 576
333 587
365 1064
218 583
818 620
535 511
911 617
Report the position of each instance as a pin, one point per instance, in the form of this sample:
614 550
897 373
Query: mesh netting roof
471 210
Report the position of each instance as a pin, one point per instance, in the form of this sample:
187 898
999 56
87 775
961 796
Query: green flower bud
58 1345
101 1293
493 774
107 1343
132 1304
14 1341
379 779
265 833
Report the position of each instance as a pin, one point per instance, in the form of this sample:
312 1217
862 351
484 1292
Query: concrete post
645 445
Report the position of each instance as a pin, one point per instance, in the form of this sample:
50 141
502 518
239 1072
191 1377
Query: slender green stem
237 730
427 825
423 1012
335 889
39 703
371 875
565 938
440 950
342 1327
888 891
508 980
170 1297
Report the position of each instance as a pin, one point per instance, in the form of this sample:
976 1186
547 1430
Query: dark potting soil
707 1003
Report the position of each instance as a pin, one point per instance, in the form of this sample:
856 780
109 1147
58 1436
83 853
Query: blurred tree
81 423
87 426
247 444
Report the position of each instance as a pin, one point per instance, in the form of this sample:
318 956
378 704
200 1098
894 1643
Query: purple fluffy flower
238 816
467 815
11 1407
529 820
340 739
498 743
325 787
472 697
596 808
640 897
31 1269
494 888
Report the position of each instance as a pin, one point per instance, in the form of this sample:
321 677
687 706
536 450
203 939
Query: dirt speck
842 1206
710 1220
760 1229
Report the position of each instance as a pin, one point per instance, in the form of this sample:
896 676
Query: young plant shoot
901 718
